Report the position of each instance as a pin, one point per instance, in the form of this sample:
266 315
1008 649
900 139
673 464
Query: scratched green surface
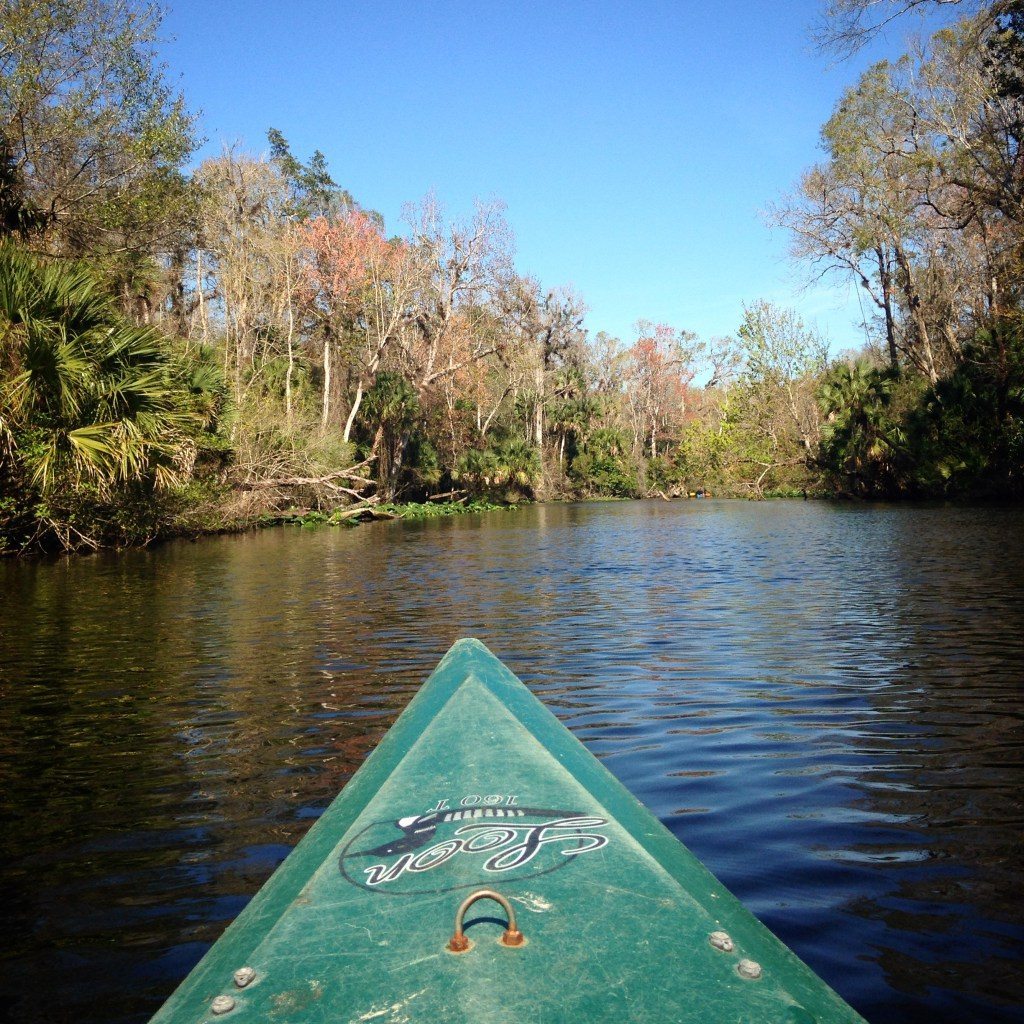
616 912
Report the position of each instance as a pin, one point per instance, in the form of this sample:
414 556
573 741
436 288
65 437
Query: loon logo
453 849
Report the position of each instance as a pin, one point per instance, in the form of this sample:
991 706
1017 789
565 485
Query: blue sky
635 144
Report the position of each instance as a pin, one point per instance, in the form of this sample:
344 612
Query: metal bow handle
458 943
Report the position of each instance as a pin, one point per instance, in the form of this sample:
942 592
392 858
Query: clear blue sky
635 143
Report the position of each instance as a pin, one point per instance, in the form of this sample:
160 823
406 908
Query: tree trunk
538 409
288 381
353 412
397 460
291 359
375 447
885 278
913 299
202 302
325 416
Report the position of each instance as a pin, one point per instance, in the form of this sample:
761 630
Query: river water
823 702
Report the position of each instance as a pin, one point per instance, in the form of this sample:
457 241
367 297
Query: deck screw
721 940
222 1004
749 969
244 976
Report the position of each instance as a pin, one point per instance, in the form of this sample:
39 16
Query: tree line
189 348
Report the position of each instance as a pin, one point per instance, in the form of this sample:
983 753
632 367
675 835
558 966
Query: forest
188 347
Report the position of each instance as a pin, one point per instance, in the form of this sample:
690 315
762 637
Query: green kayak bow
483 866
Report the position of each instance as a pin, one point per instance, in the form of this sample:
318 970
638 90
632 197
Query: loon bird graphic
419 829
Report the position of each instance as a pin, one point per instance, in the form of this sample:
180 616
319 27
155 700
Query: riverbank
206 519
190 516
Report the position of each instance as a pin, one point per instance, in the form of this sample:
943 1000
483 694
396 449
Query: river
824 702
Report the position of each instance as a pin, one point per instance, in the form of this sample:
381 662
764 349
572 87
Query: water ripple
823 702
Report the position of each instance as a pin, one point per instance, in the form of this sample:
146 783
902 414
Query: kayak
482 865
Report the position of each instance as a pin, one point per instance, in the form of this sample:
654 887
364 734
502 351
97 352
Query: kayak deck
478 786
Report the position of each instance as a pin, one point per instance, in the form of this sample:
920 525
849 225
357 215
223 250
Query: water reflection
823 703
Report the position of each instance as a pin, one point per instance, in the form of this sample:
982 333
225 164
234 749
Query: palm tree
859 441
508 464
87 399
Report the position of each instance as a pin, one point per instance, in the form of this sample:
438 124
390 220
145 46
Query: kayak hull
477 786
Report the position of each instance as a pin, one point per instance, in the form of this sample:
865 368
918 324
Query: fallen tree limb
365 510
448 494
328 481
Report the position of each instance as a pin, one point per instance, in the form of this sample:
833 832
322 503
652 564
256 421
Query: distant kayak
482 865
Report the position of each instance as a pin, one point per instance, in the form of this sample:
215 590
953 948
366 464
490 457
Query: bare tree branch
847 26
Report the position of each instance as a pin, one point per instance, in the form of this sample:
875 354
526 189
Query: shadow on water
823 702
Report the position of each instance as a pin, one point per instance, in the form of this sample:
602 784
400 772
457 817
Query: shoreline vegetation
192 348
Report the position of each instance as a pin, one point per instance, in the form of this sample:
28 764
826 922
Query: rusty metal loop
458 943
